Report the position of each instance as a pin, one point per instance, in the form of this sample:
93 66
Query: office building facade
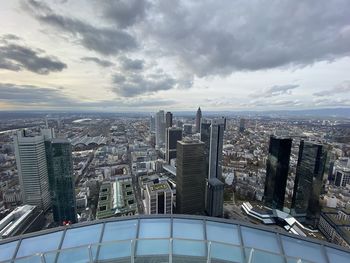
277 168
216 144
32 168
190 177
168 119
61 180
160 128
198 119
172 136
308 180
159 198
214 197
241 125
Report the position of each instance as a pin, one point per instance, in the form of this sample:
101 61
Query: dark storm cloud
123 13
219 37
17 57
133 84
131 64
106 41
34 96
339 89
276 90
98 61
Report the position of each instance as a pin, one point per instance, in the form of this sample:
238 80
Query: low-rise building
116 199
335 225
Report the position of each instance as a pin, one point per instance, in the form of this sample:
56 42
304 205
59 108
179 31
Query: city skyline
144 55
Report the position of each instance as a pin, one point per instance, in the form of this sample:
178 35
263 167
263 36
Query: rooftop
166 238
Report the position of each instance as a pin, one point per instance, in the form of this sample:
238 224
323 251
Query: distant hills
343 113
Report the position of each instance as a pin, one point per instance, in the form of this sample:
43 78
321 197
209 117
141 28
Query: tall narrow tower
61 180
277 167
216 144
160 128
308 181
32 167
168 119
198 119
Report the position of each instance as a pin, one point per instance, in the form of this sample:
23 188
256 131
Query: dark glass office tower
214 197
190 177
168 119
198 119
277 167
216 144
61 180
308 181
205 134
172 136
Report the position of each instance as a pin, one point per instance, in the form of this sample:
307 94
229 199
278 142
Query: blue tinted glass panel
154 228
114 250
82 236
258 256
152 247
39 244
30 259
220 232
77 255
260 239
189 248
7 250
121 230
337 256
226 252
305 250
186 228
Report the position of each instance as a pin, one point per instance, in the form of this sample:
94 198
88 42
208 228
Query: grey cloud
34 96
123 13
220 37
100 62
106 41
275 91
17 57
339 89
131 64
131 85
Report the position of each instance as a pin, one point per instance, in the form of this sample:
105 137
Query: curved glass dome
168 238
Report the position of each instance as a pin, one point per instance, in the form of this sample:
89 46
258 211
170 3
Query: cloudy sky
143 55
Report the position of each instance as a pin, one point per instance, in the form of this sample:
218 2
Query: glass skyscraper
61 180
308 180
277 167
216 144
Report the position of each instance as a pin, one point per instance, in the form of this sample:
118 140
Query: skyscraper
172 136
152 124
308 180
205 137
214 197
277 171
160 128
198 119
190 177
61 180
168 119
216 144
159 198
32 167
241 125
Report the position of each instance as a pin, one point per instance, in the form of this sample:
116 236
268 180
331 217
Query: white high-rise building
160 128
32 167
